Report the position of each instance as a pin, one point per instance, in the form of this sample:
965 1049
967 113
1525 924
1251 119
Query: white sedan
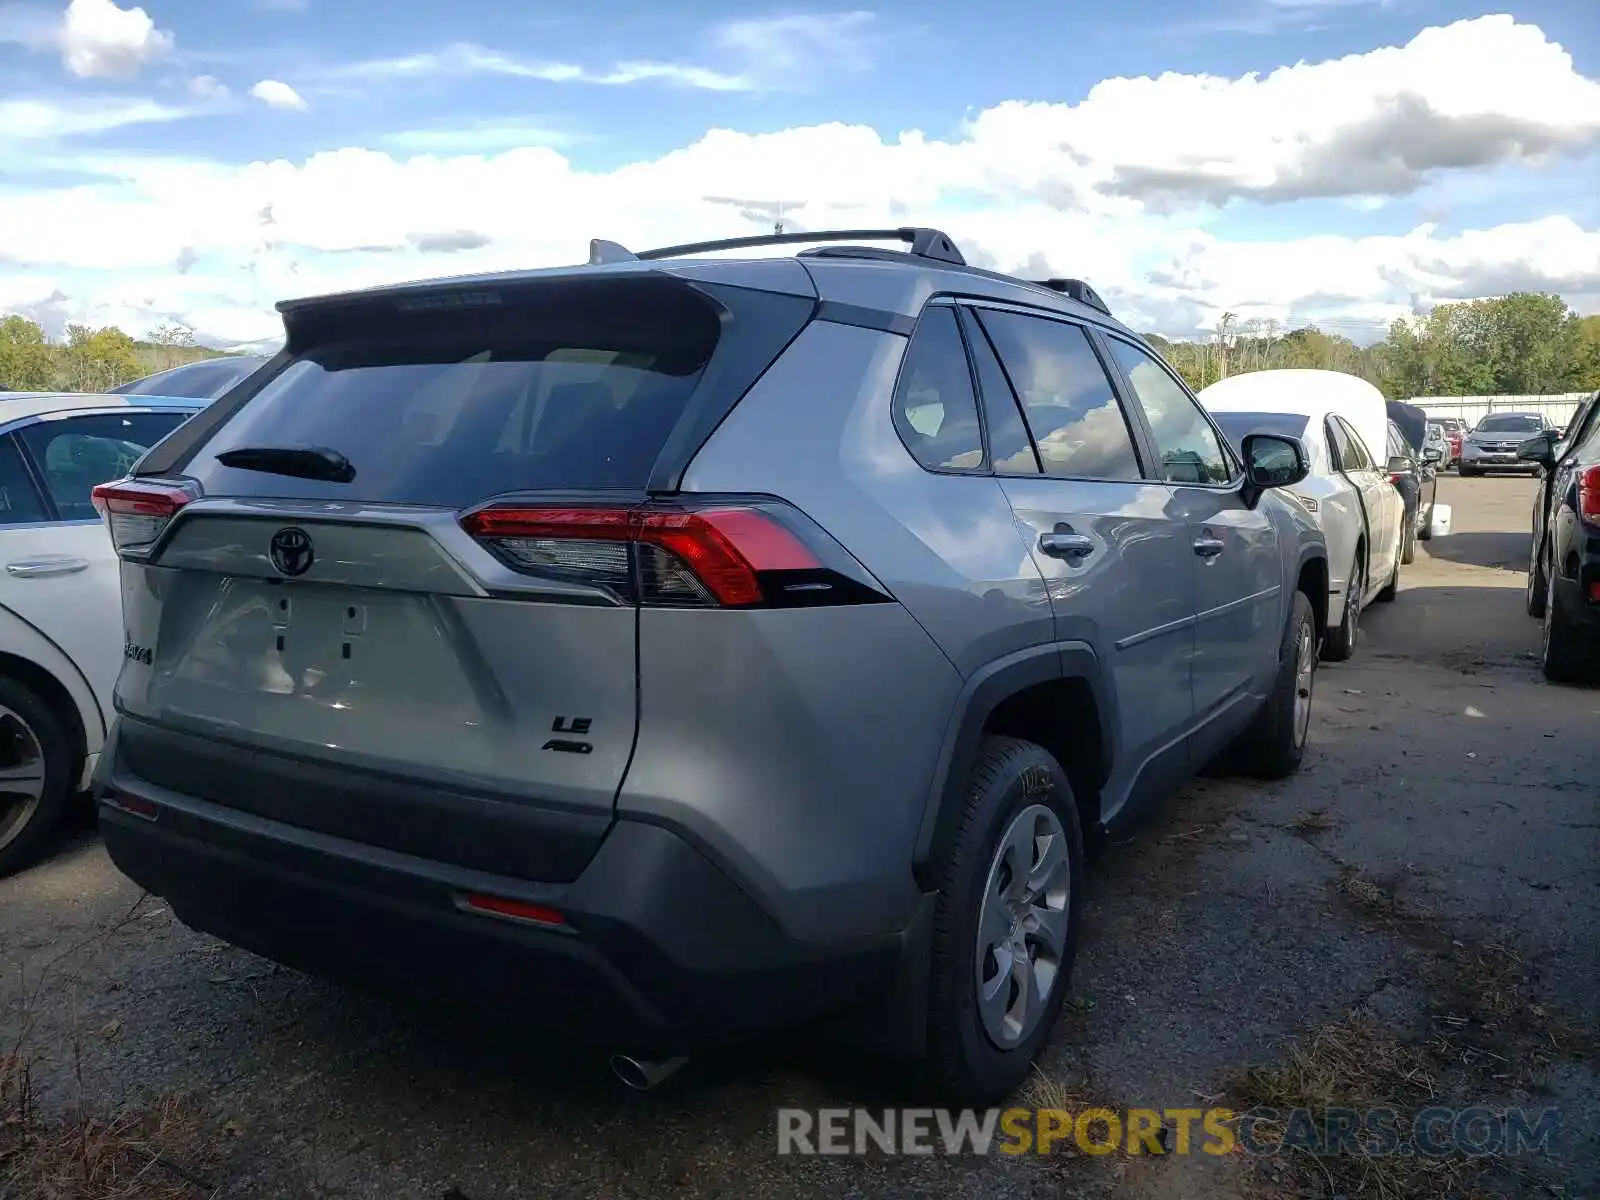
1362 514
60 595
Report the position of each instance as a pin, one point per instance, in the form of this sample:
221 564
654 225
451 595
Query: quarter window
1072 411
936 409
19 499
1191 451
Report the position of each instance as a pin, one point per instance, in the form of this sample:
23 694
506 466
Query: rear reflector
134 805
699 555
1589 495
520 910
136 512
1594 591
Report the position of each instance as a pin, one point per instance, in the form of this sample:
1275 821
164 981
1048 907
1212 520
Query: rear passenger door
1230 547
1115 559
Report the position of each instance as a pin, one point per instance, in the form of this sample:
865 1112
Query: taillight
1395 478
1589 495
137 512
699 554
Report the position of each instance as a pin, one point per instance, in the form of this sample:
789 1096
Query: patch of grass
1053 1091
1349 1064
1309 824
167 1150
162 1152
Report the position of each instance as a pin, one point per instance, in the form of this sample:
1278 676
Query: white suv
60 596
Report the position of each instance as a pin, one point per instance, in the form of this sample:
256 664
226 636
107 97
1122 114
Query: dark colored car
1416 474
204 380
1564 559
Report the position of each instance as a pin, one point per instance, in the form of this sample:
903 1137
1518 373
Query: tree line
1522 344
85 359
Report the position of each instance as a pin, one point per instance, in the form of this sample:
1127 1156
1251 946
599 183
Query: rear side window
19 501
935 408
1076 422
571 388
75 454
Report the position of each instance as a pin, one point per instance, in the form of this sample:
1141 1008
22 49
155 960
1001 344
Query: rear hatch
321 631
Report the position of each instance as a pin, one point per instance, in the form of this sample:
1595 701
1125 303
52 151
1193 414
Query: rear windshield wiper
303 462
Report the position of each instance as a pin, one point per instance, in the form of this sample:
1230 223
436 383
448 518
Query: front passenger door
1234 546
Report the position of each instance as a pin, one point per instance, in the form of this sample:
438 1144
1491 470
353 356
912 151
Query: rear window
1511 423
199 381
1238 426
450 407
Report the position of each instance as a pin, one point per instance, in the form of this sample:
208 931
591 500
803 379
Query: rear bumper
660 952
1573 596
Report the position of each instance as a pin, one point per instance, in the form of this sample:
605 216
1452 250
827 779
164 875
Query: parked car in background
549 629
1492 444
60 596
205 379
1564 560
1455 429
1347 490
1415 475
1440 439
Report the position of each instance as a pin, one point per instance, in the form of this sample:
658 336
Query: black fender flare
984 690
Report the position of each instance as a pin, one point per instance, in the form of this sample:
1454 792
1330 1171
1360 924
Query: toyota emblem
291 551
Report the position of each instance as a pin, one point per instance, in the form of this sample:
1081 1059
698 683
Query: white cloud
1119 189
276 94
98 39
757 54
207 87
46 120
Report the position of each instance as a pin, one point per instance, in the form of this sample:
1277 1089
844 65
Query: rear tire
1275 744
1019 806
1570 655
1467 473
1392 588
36 774
1340 644
1408 545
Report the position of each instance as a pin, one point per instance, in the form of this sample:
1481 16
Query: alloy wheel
21 775
1023 925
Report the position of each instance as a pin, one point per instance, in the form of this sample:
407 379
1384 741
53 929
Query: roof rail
924 243
1078 290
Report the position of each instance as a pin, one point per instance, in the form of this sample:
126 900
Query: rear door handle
1069 546
44 568
1208 546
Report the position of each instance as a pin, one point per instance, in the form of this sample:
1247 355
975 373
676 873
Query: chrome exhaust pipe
642 1074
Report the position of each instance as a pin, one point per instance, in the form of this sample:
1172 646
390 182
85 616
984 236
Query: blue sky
614 83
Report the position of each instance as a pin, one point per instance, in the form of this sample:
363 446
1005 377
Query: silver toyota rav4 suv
673 647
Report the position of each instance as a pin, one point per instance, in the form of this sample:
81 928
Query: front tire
1275 744
1340 644
1538 581
36 774
1005 924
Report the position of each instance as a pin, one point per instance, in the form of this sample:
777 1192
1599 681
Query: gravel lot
1435 866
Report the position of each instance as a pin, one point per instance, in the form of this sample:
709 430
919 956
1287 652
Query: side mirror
1432 454
1399 466
1273 461
1539 449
